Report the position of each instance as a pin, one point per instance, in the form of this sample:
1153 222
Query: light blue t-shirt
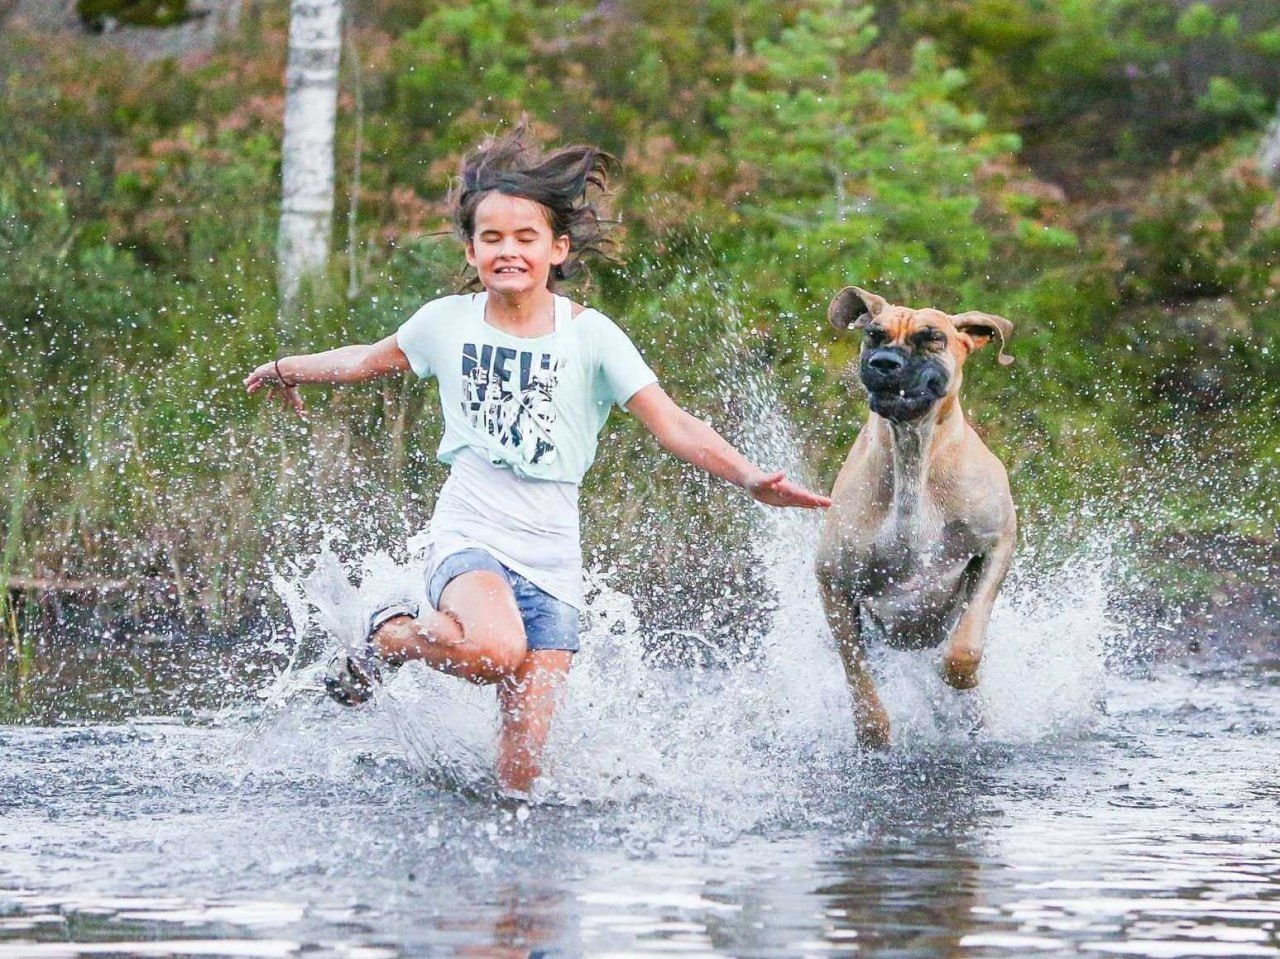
534 405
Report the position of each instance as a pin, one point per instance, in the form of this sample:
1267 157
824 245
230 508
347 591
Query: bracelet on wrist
280 378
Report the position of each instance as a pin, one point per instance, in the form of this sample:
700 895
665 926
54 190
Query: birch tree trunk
1269 150
310 114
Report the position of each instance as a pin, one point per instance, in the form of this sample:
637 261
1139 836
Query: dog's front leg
870 719
962 654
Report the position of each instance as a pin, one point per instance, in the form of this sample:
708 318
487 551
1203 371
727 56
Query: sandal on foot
351 676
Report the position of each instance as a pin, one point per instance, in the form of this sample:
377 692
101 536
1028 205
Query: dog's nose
934 380
886 361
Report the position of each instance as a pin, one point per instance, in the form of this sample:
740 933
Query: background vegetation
1085 167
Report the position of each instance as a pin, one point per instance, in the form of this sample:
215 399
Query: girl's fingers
776 490
288 396
802 497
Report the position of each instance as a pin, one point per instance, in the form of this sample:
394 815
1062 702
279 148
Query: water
1152 833
212 802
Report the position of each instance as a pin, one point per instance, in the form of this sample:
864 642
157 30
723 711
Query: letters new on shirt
531 405
508 395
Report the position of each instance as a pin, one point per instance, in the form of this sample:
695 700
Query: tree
860 174
1269 150
310 117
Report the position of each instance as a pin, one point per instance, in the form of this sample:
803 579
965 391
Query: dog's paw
873 728
960 668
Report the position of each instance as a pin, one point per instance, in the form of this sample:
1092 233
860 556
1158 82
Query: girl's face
513 247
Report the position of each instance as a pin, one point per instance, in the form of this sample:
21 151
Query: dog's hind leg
869 716
962 654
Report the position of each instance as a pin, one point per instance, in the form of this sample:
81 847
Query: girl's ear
470 247
560 249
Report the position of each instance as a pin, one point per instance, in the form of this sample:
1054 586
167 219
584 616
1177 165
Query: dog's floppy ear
853 307
982 328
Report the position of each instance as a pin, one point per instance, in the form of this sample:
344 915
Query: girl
526 380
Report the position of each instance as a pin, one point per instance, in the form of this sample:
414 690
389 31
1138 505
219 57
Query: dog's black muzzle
902 385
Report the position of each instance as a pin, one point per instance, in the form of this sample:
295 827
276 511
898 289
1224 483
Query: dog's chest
916 554
909 576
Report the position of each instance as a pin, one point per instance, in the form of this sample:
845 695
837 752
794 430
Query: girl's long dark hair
569 183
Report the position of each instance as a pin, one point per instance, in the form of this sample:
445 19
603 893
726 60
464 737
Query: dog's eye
875 335
929 337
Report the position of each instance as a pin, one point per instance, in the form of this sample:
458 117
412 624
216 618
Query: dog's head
911 359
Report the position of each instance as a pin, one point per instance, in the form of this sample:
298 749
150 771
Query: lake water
178 799
1076 805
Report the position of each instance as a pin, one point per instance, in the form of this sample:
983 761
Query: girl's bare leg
528 701
477 633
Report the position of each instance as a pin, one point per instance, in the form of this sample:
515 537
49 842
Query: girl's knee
395 638
503 649
399 627
511 656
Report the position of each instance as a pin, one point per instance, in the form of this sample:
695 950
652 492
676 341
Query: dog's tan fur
921 529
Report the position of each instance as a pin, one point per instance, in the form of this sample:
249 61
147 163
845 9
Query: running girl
527 379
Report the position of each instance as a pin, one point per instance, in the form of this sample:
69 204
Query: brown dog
921 528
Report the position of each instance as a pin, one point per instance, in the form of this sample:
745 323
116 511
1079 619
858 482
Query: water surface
1147 829
699 801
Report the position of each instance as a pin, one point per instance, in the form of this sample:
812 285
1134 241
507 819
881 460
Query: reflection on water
1155 834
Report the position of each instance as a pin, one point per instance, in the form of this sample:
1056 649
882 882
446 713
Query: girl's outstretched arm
346 364
694 441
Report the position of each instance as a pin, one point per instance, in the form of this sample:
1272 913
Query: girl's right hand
266 377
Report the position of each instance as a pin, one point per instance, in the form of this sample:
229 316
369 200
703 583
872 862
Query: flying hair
568 183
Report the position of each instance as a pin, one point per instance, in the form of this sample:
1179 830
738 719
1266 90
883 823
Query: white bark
353 209
1269 150
310 116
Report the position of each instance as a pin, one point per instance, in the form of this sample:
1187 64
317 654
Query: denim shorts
548 622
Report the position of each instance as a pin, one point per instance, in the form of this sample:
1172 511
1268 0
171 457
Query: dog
921 528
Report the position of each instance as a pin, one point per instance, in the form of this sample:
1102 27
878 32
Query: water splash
734 741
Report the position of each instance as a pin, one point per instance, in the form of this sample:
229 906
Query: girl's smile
513 247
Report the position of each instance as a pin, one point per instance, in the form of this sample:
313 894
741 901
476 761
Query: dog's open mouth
901 387
901 405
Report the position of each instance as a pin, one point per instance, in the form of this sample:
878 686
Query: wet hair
567 183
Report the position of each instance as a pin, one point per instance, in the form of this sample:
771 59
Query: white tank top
530 526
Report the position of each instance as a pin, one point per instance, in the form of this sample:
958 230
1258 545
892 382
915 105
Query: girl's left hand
774 489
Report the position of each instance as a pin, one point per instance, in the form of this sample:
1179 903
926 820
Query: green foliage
859 174
1197 22
1114 81
467 57
1267 42
1224 99
1208 228
772 154
145 13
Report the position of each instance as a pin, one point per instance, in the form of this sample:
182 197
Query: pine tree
860 174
